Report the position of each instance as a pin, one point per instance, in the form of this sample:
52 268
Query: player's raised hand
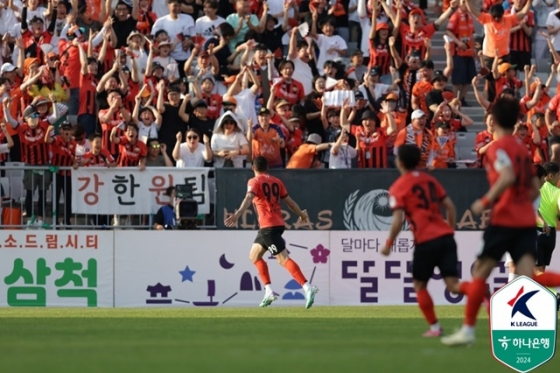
230 220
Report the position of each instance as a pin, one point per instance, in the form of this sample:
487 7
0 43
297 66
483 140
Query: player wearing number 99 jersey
419 197
265 192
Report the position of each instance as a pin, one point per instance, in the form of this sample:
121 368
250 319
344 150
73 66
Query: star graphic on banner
187 274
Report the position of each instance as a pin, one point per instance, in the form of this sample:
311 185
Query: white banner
360 275
56 269
210 269
128 190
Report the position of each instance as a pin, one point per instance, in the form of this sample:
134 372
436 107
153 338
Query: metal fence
29 196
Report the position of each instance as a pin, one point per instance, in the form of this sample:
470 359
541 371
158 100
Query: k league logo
519 306
523 318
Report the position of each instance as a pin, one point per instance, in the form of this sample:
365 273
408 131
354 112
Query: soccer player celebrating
513 188
418 197
265 192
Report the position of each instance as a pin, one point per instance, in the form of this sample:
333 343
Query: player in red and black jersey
63 150
513 188
418 197
265 193
132 152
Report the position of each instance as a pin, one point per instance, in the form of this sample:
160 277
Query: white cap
6 68
417 114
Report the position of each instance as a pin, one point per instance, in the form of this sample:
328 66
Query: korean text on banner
56 269
204 272
360 275
131 191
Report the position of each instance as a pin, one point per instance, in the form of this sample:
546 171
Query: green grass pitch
287 340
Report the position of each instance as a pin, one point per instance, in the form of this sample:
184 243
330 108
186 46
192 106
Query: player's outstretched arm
451 211
295 208
231 219
396 226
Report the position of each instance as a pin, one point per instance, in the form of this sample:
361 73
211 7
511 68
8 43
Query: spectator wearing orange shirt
371 140
417 134
505 77
542 154
442 150
522 132
306 153
497 28
421 88
267 139
484 139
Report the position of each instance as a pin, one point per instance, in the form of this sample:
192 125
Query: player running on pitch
419 197
265 192
513 188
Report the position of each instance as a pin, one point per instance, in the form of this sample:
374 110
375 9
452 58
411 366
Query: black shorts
464 70
271 239
520 59
554 140
440 252
545 247
517 241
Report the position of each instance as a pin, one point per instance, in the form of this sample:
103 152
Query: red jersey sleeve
283 190
253 187
553 104
108 156
143 149
441 193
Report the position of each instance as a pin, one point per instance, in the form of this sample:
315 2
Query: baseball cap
157 65
41 100
281 103
200 103
358 95
382 26
438 75
391 97
417 114
203 54
229 100
6 68
314 138
368 114
29 111
264 111
504 67
374 71
66 125
357 52
163 43
416 11
414 54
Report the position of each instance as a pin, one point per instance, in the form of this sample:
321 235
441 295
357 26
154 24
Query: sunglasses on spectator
192 137
155 146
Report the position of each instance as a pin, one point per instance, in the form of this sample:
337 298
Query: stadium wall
212 269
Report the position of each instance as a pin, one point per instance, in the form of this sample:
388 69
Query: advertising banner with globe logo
355 199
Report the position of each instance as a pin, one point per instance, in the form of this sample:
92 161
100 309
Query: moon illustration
373 211
224 263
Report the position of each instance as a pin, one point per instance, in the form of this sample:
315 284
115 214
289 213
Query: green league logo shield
523 322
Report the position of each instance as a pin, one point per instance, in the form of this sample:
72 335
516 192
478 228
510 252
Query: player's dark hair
260 164
497 11
550 168
505 112
409 155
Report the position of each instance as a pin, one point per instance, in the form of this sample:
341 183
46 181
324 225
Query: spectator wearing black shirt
124 21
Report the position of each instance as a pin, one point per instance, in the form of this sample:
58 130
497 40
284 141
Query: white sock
435 327
306 286
268 289
511 276
468 330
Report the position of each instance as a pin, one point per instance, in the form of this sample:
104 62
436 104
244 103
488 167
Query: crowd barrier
211 269
354 199
100 195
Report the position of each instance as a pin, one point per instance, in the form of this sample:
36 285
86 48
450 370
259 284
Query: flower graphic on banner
320 254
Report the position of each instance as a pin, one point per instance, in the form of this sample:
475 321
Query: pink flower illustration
320 254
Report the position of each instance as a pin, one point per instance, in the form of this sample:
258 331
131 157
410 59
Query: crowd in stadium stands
198 83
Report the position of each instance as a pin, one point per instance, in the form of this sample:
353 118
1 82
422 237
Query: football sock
511 276
475 297
468 330
548 279
464 287
306 286
268 289
262 267
294 270
426 306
